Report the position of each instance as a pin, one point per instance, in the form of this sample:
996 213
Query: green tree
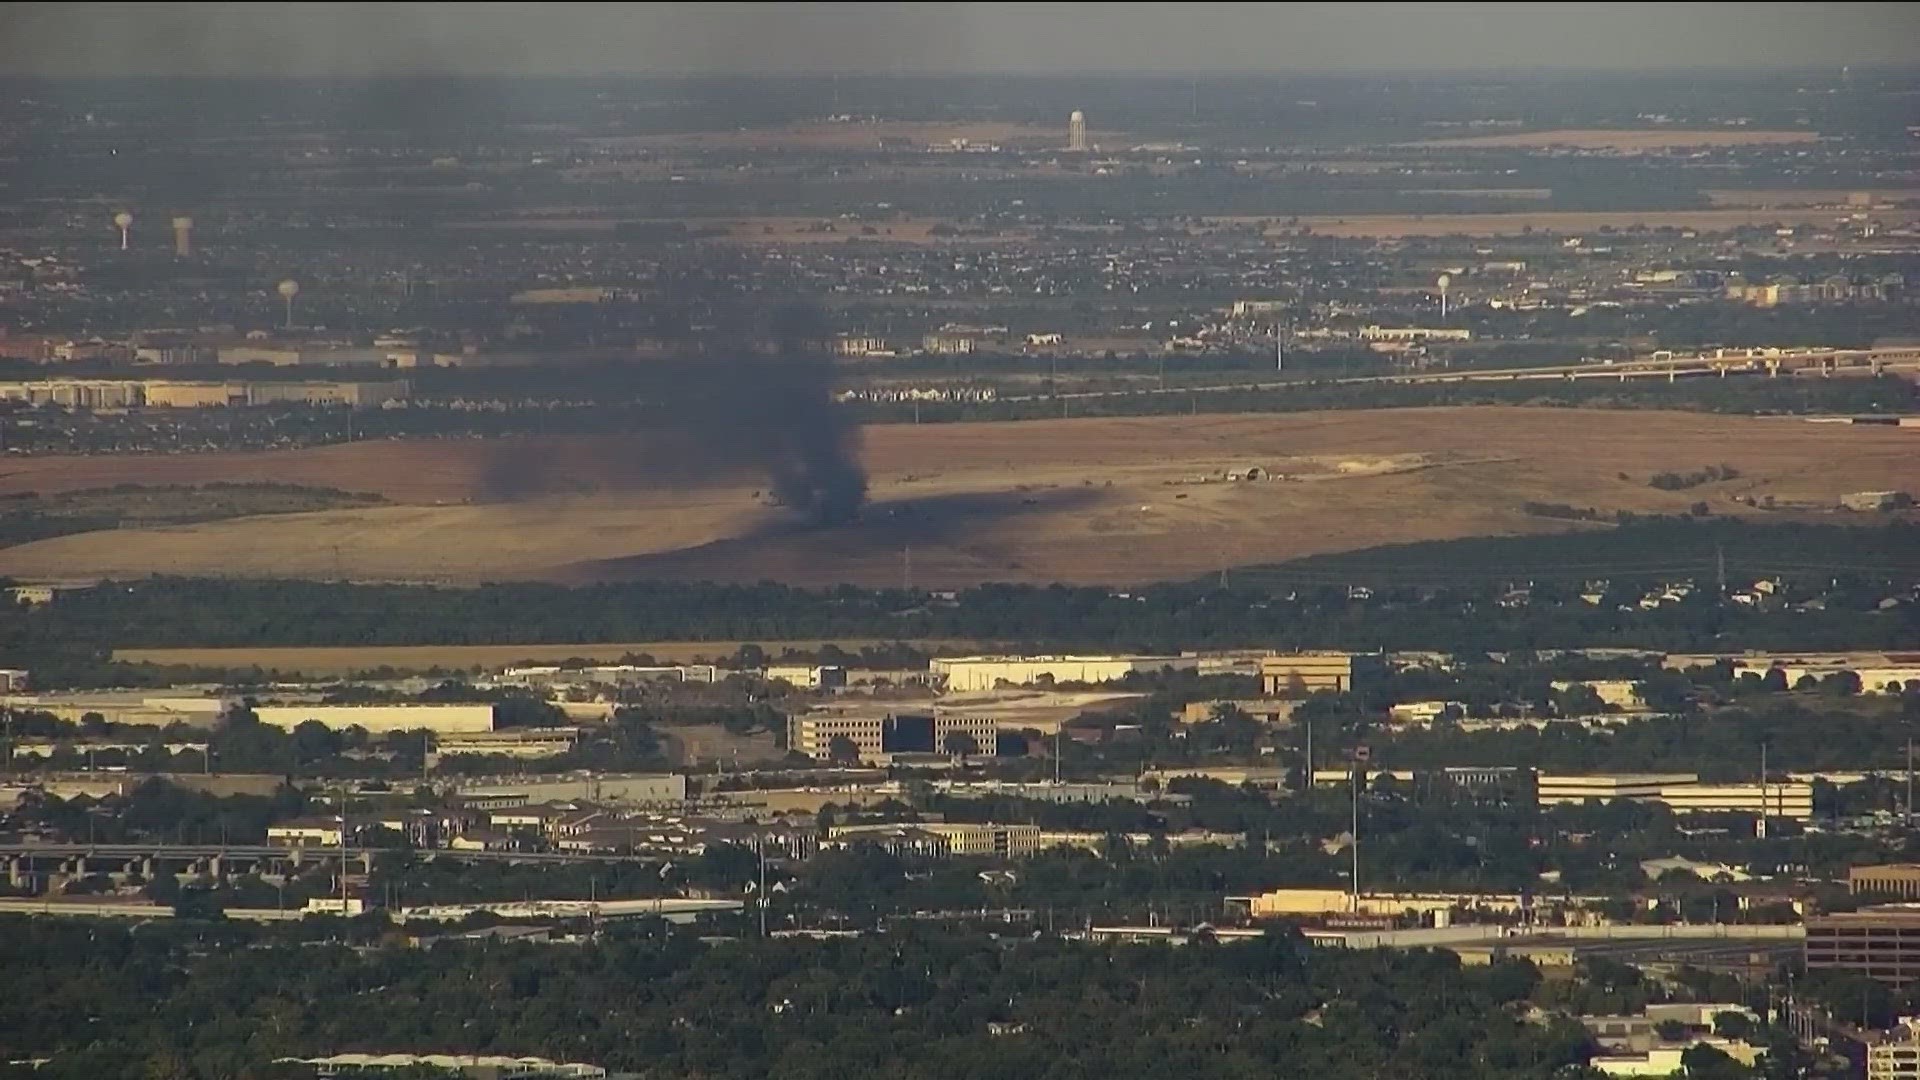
960 744
1733 1025
843 751
1703 1062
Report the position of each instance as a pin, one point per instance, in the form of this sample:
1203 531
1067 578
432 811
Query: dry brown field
1626 141
1092 500
1835 198
322 661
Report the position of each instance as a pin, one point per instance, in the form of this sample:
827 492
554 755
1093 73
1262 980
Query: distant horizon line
1870 70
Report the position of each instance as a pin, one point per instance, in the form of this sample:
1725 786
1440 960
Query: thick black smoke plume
768 409
789 418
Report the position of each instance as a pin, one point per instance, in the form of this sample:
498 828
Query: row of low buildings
176 393
206 710
1281 674
1683 793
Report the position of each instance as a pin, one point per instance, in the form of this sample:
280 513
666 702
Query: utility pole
1764 805
1309 776
762 897
343 854
1720 565
1906 815
906 568
1358 768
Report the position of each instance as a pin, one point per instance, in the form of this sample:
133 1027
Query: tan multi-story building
379 718
1889 879
1683 793
1897 1058
813 733
1555 789
875 735
1789 800
1620 693
1881 943
1300 674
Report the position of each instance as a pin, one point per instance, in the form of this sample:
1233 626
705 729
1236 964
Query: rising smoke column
809 441
778 414
745 412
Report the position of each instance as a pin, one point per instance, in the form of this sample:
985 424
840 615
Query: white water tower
1445 280
289 289
123 221
182 236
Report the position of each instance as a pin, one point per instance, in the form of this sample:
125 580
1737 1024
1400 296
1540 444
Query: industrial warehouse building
378 718
1295 675
1683 793
175 393
875 735
970 674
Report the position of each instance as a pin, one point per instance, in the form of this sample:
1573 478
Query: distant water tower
1444 281
182 236
1077 132
123 221
289 289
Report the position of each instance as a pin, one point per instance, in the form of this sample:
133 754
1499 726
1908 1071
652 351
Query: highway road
1733 362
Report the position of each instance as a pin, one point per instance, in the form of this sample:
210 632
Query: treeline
196 1000
1642 551
1444 595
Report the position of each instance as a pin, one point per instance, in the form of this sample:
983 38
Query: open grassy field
323 661
1627 142
1115 500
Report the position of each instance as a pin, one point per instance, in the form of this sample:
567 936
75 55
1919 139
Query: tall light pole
1359 769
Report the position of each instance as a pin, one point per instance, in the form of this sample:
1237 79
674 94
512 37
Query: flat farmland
324 661
1098 501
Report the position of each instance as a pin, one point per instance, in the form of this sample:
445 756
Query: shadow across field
941 538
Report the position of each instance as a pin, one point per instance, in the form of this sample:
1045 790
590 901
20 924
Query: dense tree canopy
204 1000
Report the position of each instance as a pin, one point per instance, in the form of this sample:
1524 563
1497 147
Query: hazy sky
568 39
